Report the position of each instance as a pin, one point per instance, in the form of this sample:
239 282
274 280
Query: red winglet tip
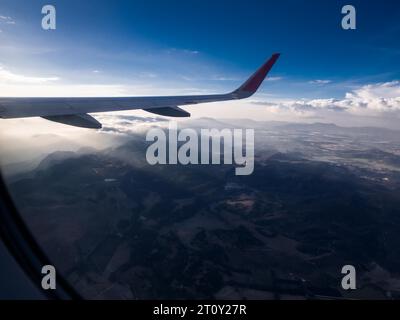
253 83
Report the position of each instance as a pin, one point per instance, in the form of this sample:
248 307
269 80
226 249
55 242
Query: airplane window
162 168
117 227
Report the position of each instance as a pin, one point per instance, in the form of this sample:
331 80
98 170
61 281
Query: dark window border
25 249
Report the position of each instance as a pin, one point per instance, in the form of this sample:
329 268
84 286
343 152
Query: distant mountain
177 232
54 158
333 128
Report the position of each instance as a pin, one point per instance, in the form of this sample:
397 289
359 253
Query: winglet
253 83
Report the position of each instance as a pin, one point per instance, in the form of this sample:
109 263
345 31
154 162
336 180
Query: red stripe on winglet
252 84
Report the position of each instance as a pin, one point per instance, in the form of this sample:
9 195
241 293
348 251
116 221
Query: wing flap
76 120
169 112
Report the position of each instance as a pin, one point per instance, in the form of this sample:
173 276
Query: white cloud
191 51
379 99
6 20
7 76
222 78
273 78
373 99
319 81
61 90
184 51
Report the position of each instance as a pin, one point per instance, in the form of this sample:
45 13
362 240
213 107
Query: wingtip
253 83
275 56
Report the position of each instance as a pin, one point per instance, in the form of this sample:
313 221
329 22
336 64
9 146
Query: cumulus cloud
373 99
379 99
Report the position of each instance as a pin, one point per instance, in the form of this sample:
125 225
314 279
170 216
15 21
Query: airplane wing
74 111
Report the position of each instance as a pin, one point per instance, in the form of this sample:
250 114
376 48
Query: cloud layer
381 99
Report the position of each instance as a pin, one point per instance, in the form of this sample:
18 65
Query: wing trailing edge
169 112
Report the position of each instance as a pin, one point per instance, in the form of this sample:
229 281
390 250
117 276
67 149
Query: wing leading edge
73 111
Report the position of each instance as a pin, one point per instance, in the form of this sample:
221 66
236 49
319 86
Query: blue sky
175 47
